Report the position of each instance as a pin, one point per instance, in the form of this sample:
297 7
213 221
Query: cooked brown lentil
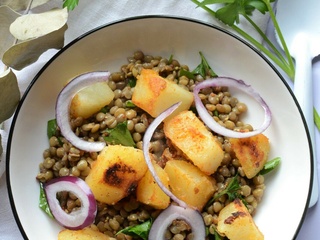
61 158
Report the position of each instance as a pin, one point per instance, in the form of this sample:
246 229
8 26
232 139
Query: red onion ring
146 142
241 85
164 220
77 219
63 106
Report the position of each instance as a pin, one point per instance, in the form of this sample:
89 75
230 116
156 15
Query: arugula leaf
270 165
186 73
120 135
170 59
43 203
204 68
141 230
70 4
52 127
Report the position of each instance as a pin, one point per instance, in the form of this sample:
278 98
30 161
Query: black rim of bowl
12 203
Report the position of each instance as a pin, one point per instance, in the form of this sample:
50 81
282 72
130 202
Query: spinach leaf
270 165
51 128
43 203
141 230
120 135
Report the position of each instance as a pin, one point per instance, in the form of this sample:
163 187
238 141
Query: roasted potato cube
83 234
191 136
149 192
236 223
91 99
116 173
189 184
154 94
251 152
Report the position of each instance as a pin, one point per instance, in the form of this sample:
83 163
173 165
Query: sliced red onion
63 106
164 220
77 219
146 143
241 85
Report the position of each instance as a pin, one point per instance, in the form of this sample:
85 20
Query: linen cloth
88 15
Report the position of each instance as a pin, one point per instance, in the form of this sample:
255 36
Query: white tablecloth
90 14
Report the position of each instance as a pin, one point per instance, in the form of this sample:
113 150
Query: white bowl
285 202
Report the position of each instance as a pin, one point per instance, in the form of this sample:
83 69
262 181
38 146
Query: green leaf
231 190
32 26
231 10
43 203
9 94
186 73
52 127
229 14
132 82
120 135
170 59
70 4
7 16
270 165
141 230
27 52
204 68
259 5
130 104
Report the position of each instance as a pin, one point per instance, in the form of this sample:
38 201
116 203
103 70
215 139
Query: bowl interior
106 48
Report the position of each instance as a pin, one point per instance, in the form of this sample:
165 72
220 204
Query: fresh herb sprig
231 190
229 14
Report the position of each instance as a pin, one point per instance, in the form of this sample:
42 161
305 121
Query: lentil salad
62 159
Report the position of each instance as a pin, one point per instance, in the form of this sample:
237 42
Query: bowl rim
146 17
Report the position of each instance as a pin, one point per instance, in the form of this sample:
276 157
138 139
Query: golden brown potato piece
149 192
252 153
236 223
154 94
116 173
189 184
83 234
191 136
91 99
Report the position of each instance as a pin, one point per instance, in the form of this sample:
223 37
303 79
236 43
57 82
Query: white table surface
90 14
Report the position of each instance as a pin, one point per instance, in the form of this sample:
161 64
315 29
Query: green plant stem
266 39
263 49
281 38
